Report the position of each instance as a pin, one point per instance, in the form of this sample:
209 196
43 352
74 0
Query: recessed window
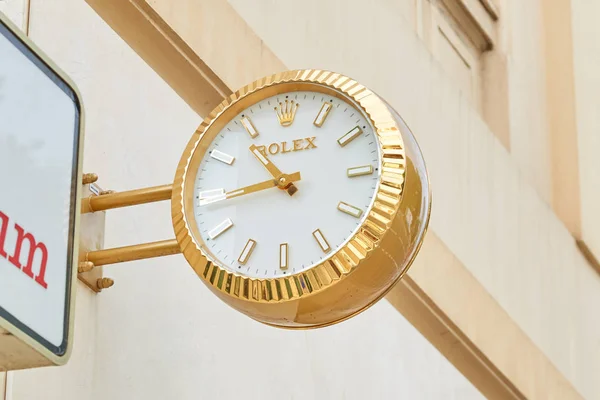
458 56
461 36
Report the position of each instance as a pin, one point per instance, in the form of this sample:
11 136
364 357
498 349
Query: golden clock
301 199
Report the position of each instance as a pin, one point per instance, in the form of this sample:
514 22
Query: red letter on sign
3 228
33 246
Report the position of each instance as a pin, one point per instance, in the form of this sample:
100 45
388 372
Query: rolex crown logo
286 112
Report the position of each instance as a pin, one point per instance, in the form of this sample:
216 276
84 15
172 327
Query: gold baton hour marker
211 193
360 171
323 244
220 229
350 136
249 126
247 251
349 209
284 256
322 115
223 157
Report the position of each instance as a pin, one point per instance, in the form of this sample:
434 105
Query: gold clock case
363 270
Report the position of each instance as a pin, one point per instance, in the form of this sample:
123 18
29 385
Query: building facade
503 98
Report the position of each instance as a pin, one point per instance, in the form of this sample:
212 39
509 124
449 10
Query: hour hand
282 182
213 196
264 160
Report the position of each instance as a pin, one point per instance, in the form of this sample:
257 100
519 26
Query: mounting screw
106 192
85 266
89 178
104 283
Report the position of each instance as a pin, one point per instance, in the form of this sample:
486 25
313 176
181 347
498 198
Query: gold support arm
132 253
107 201
126 199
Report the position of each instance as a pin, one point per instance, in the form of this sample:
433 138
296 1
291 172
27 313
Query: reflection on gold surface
357 274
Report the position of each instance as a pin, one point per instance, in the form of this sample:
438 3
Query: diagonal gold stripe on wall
164 51
439 297
443 300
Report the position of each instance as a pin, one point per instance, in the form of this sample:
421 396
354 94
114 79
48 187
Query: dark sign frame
37 58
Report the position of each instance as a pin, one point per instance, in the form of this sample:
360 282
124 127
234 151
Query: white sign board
40 119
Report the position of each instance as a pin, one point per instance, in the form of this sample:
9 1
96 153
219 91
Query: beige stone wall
489 208
529 136
159 333
15 11
586 52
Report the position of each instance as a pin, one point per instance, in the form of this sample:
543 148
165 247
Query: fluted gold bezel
345 260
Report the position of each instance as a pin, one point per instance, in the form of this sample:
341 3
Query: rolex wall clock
301 199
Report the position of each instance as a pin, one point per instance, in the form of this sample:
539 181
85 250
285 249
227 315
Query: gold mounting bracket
91 239
92 256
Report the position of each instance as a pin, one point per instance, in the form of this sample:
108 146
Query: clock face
286 183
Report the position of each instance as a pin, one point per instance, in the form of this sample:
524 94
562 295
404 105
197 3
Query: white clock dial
251 226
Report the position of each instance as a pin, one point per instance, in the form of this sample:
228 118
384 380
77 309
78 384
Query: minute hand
271 183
